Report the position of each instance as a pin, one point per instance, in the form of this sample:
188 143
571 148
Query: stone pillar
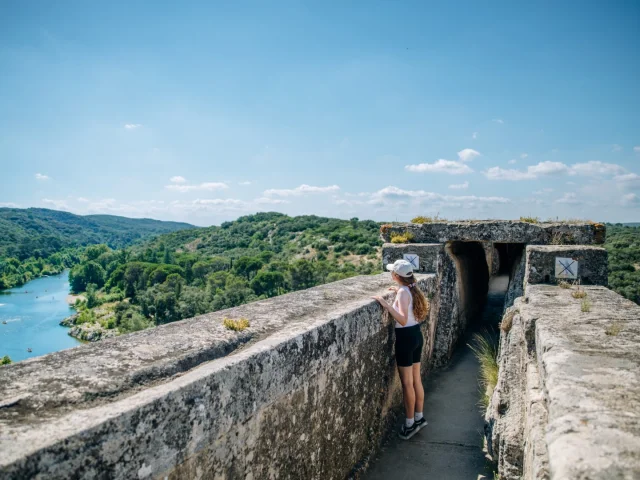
427 253
586 264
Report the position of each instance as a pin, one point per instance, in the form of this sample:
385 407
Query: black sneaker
420 423
406 433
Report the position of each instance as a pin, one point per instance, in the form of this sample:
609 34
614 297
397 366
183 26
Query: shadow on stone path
450 447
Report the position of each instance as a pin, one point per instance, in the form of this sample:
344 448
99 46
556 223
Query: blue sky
205 111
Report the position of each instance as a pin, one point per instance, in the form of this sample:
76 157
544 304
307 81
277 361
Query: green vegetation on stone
585 305
428 219
6 360
406 237
485 349
237 325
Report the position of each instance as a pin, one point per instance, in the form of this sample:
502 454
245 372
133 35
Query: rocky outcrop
503 231
87 332
91 332
568 394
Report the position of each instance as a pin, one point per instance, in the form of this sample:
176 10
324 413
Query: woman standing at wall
409 308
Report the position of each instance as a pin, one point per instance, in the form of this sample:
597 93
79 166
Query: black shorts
409 343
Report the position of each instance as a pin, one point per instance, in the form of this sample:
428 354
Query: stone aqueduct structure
310 389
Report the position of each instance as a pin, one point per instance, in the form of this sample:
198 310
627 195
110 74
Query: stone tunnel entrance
473 276
484 271
508 256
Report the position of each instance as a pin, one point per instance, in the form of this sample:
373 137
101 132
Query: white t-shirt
402 293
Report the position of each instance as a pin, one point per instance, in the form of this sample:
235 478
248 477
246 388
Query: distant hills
40 232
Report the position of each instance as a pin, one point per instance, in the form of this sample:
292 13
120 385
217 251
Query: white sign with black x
413 259
566 268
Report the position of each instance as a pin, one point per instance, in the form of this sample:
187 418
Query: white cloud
524 155
132 126
543 191
270 201
636 149
41 177
178 179
498 120
301 190
82 200
546 168
468 154
219 201
56 204
441 166
616 148
244 184
630 199
498 173
459 186
569 198
627 177
208 186
628 180
594 168
394 196
513 161
9 205
474 135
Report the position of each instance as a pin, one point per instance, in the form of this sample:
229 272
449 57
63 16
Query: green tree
92 297
167 256
94 251
268 283
134 279
247 266
216 282
236 292
6 360
84 274
302 274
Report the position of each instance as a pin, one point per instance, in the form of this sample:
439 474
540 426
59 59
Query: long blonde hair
420 303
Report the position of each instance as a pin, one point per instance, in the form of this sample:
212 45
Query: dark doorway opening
508 254
473 276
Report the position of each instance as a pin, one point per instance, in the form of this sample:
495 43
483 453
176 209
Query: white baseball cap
401 267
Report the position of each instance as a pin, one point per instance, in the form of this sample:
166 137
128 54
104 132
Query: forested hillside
623 245
38 241
191 272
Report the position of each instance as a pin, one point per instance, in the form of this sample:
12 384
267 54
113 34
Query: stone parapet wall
502 231
591 264
567 401
308 392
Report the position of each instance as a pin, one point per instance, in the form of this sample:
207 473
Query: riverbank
86 332
30 318
72 298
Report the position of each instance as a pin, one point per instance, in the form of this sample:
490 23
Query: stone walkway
450 447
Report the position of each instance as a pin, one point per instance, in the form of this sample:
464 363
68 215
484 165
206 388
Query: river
32 318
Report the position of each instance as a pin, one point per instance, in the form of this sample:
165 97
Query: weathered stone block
502 231
591 265
568 394
428 254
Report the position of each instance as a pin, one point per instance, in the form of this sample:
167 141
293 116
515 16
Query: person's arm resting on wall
401 316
